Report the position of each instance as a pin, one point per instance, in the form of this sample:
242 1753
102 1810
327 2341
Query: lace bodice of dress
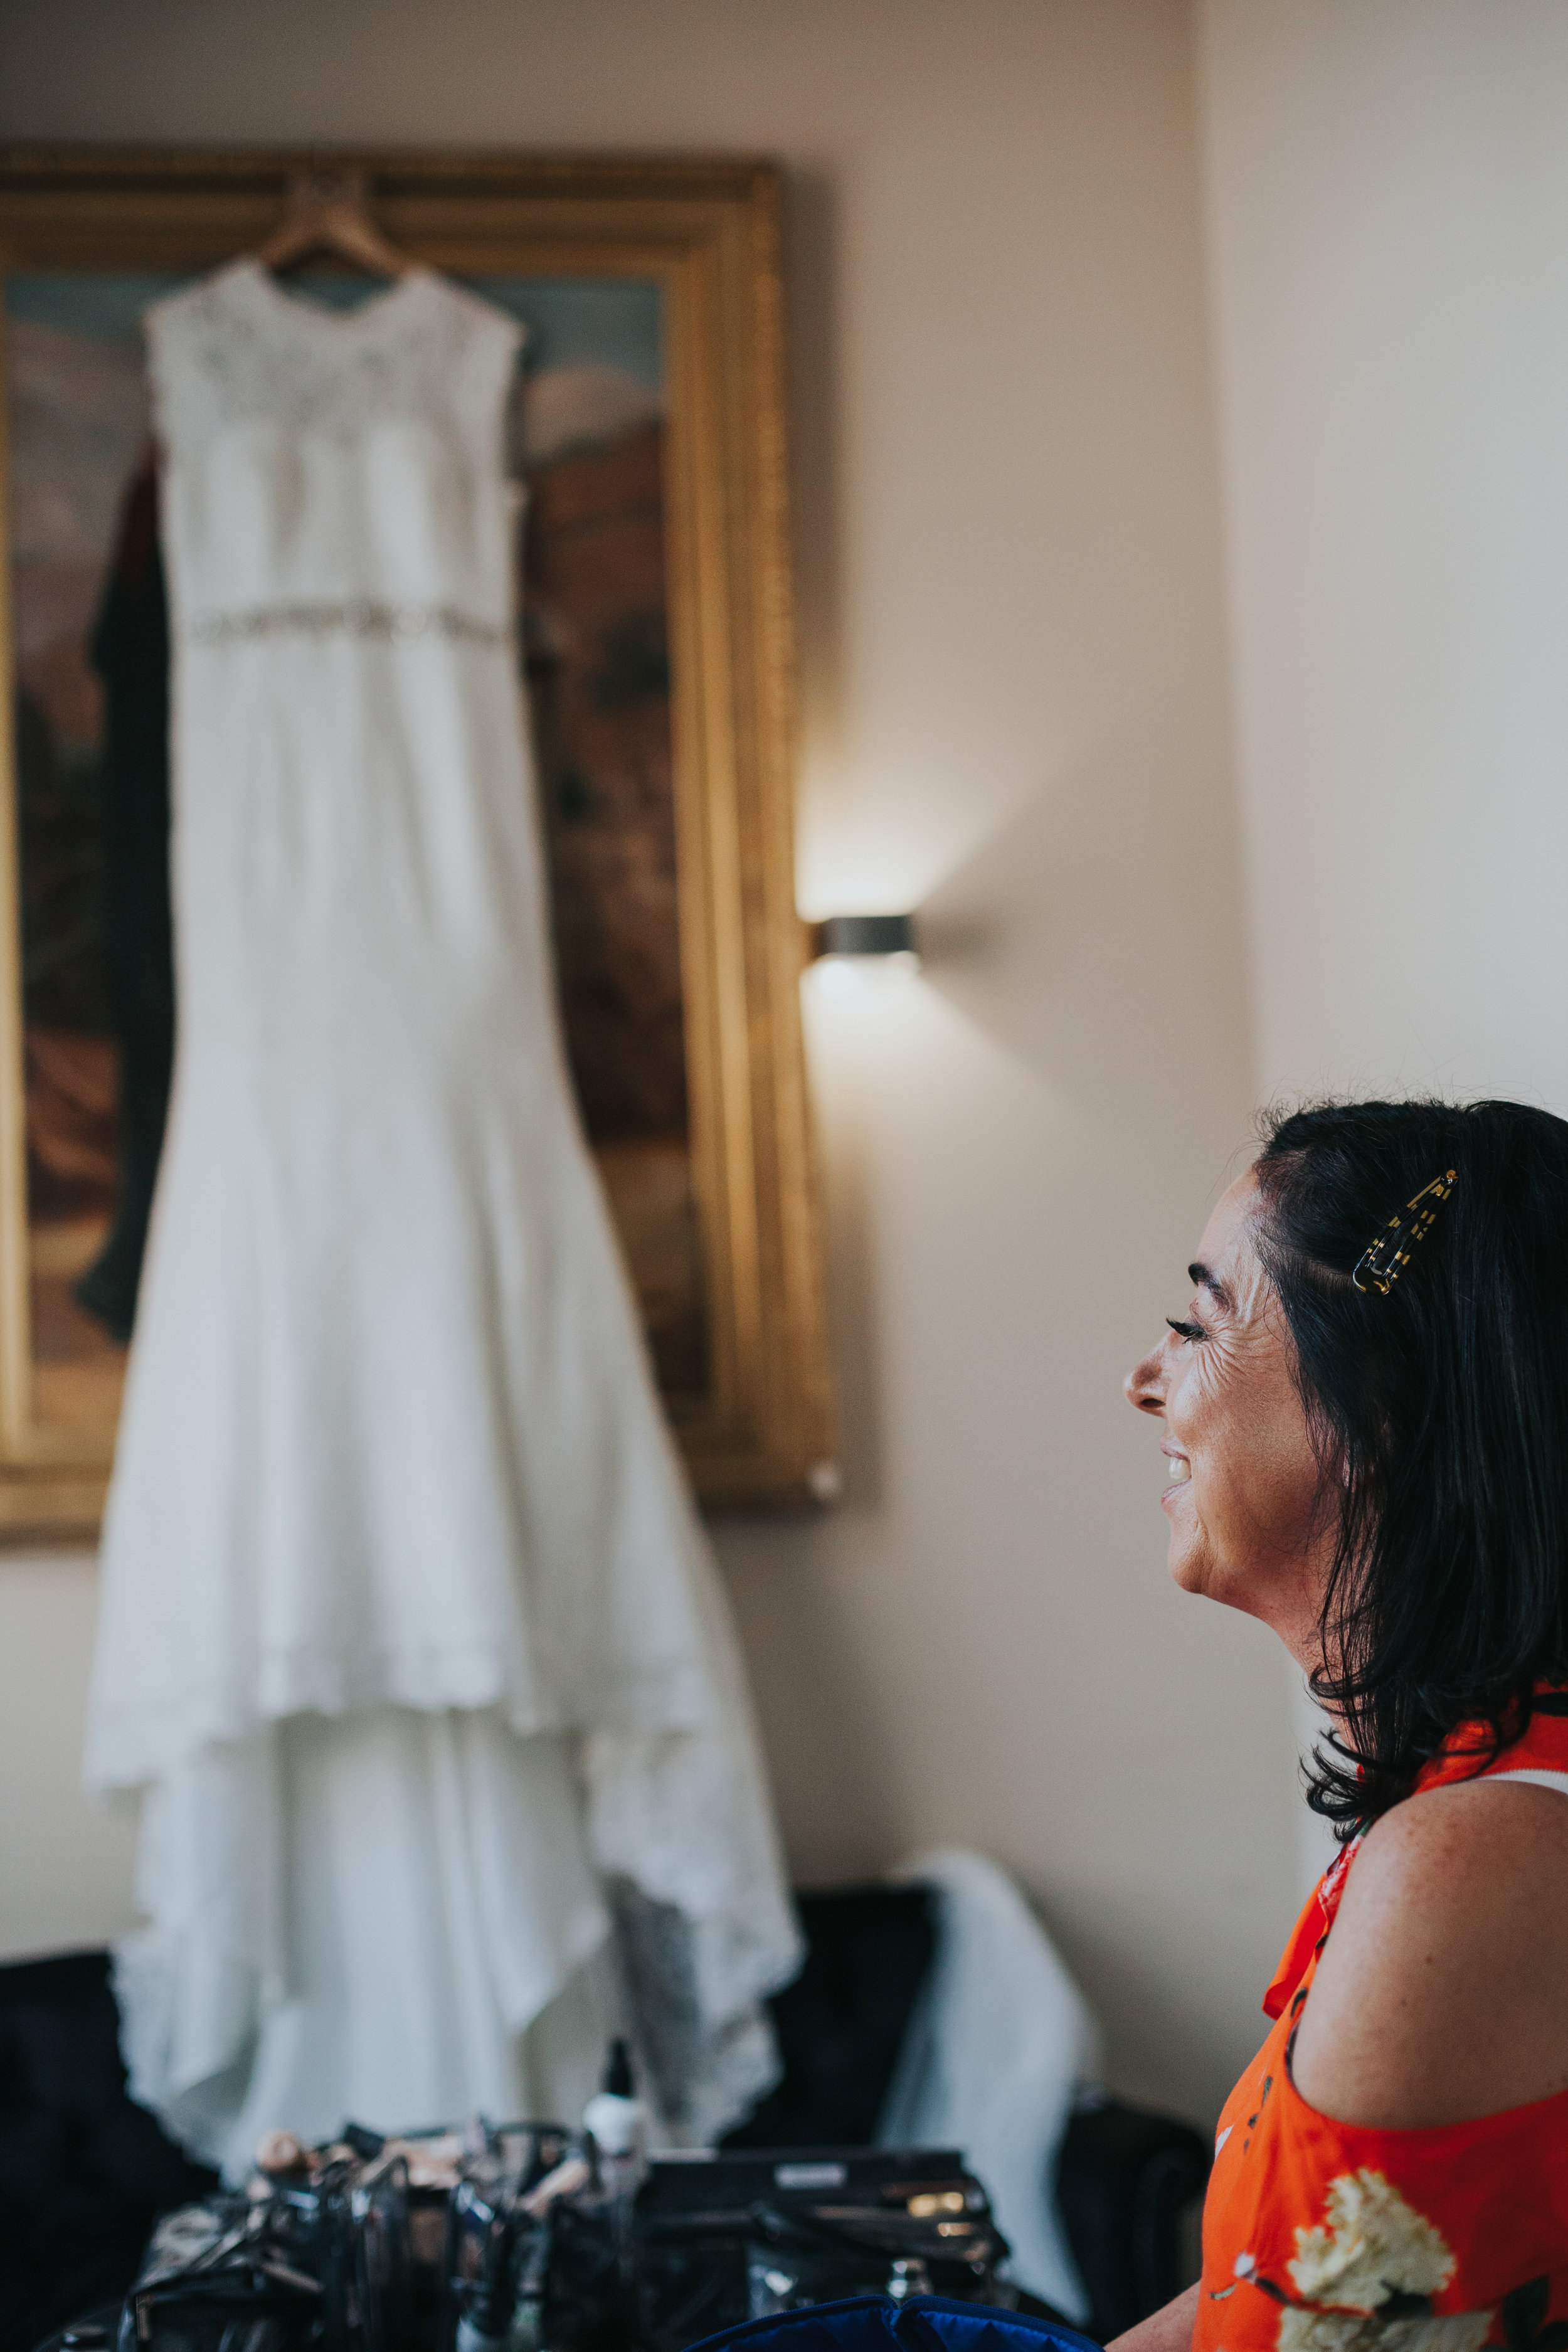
326 469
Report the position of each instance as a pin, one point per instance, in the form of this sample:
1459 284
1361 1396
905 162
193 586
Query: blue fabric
925 2324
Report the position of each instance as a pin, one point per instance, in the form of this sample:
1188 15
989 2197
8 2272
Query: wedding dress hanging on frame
408 1627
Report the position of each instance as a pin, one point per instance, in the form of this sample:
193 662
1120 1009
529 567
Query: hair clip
1387 1254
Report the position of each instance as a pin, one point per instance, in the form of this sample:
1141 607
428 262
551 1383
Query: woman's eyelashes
1186 1330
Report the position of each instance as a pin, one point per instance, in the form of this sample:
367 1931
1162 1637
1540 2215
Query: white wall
64 1863
1388 209
1009 571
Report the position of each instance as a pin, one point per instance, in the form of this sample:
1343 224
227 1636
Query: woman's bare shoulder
1441 1994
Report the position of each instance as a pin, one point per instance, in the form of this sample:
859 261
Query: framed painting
645 424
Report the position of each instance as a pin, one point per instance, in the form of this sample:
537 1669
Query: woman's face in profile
1244 1499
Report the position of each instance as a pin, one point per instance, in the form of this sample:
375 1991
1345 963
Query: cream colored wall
65 1861
1014 710
1388 205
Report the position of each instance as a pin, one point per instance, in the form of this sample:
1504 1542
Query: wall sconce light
863 935
857 955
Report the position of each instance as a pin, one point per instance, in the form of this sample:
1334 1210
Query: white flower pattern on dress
1348 2331
1377 2261
1373 2245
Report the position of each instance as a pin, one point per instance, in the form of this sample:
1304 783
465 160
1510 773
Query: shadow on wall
1159 2045
1093 937
852 1279
1082 932
844 1805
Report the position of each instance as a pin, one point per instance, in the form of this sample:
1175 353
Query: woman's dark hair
1440 1415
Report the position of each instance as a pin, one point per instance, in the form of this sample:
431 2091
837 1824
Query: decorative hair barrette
1387 1254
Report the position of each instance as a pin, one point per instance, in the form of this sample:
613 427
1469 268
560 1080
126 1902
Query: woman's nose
1144 1387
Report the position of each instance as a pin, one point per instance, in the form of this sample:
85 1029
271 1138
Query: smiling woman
1368 1444
1235 1436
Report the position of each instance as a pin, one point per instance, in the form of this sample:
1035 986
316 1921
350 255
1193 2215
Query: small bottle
616 2122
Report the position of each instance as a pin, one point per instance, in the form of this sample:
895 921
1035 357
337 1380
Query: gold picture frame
758 1430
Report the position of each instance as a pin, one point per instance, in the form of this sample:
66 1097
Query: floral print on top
1323 2237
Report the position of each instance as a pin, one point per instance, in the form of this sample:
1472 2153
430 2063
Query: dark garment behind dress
129 650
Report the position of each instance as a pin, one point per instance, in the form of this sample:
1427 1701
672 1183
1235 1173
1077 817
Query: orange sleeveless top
1323 2237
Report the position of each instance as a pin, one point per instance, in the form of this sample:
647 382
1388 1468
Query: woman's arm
1169 2330
1442 1994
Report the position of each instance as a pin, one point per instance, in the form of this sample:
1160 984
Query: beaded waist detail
384 624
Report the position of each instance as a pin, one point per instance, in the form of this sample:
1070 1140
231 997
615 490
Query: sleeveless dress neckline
1321 2236
374 313
1443 1771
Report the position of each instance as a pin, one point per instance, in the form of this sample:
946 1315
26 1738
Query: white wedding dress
409 1629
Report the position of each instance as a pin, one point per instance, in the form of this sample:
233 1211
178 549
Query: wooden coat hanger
329 211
